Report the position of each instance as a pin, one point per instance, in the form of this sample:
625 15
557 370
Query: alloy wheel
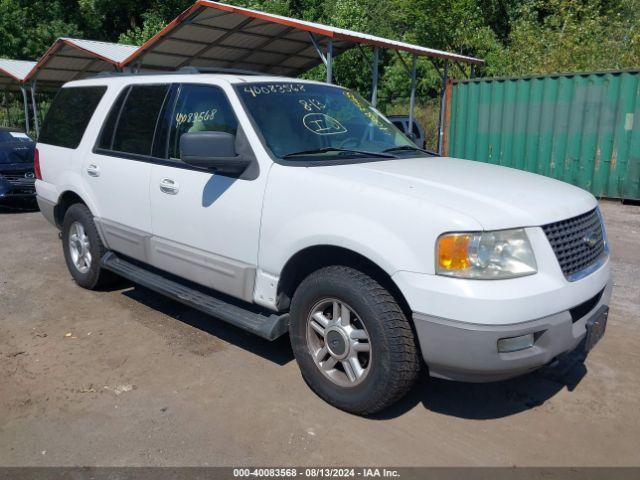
338 342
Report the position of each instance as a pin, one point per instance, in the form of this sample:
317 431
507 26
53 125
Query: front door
205 225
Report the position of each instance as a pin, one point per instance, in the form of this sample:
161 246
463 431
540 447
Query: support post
448 92
330 61
5 104
36 122
7 100
26 108
374 81
412 99
443 99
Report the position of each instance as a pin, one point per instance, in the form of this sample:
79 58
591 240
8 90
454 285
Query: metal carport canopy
12 77
72 59
213 34
13 73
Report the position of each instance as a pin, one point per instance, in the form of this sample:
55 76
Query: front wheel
352 341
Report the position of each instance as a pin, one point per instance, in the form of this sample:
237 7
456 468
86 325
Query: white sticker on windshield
19 135
322 124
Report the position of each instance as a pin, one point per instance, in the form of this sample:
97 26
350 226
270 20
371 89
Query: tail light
36 165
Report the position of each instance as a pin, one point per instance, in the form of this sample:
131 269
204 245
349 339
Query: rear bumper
47 208
468 352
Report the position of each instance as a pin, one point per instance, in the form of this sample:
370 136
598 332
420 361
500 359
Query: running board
265 326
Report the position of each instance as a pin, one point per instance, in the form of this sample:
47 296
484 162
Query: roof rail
235 71
127 72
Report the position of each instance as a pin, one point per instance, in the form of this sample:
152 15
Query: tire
390 367
90 275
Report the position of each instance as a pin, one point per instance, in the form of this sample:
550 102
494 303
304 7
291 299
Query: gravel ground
127 377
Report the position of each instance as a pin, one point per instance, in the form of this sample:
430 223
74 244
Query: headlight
485 255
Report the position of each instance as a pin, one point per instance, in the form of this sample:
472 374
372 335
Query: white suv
278 204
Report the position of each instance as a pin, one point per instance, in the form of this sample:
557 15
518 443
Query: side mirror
212 151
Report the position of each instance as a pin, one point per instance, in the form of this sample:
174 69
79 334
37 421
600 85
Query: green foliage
570 35
27 28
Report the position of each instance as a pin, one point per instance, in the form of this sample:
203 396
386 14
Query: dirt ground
126 377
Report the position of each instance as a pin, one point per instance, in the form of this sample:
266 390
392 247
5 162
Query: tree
570 35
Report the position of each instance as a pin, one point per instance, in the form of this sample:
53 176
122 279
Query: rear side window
69 116
106 136
137 119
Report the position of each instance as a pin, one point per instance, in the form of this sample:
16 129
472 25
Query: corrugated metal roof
12 72
215 34
17 69
72 59
115 52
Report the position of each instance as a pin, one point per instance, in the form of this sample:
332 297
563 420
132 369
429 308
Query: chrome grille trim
568 240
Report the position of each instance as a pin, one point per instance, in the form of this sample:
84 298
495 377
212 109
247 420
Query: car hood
496 197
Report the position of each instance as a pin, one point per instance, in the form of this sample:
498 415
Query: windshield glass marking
269 88
322 124
203 116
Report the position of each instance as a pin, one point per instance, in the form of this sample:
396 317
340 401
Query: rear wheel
352 341
83 248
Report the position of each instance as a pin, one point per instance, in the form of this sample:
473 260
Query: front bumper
459 322
468 352
17 188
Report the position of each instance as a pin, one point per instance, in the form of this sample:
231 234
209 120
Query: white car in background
283 205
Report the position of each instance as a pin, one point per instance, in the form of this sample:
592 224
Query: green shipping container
581 128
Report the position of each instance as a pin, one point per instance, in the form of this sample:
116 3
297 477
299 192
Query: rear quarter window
69 115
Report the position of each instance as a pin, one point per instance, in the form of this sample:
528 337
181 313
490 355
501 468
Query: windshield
302 121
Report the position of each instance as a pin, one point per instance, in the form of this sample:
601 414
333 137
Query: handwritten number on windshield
271 88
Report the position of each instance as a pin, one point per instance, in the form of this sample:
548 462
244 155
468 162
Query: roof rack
184 70
234 71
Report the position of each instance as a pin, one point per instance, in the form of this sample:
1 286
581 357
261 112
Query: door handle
169 186
93 170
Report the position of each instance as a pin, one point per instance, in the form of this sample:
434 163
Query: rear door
117 172
205 225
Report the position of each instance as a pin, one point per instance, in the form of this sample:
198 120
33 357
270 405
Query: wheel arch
65 200
312 258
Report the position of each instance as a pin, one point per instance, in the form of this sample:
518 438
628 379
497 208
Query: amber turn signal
453 251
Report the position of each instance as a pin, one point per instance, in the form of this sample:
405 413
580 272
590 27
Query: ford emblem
591 239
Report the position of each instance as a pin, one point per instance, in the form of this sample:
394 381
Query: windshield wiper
409 148
339 150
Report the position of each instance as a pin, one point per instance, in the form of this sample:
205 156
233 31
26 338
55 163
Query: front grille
577 242
19 179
